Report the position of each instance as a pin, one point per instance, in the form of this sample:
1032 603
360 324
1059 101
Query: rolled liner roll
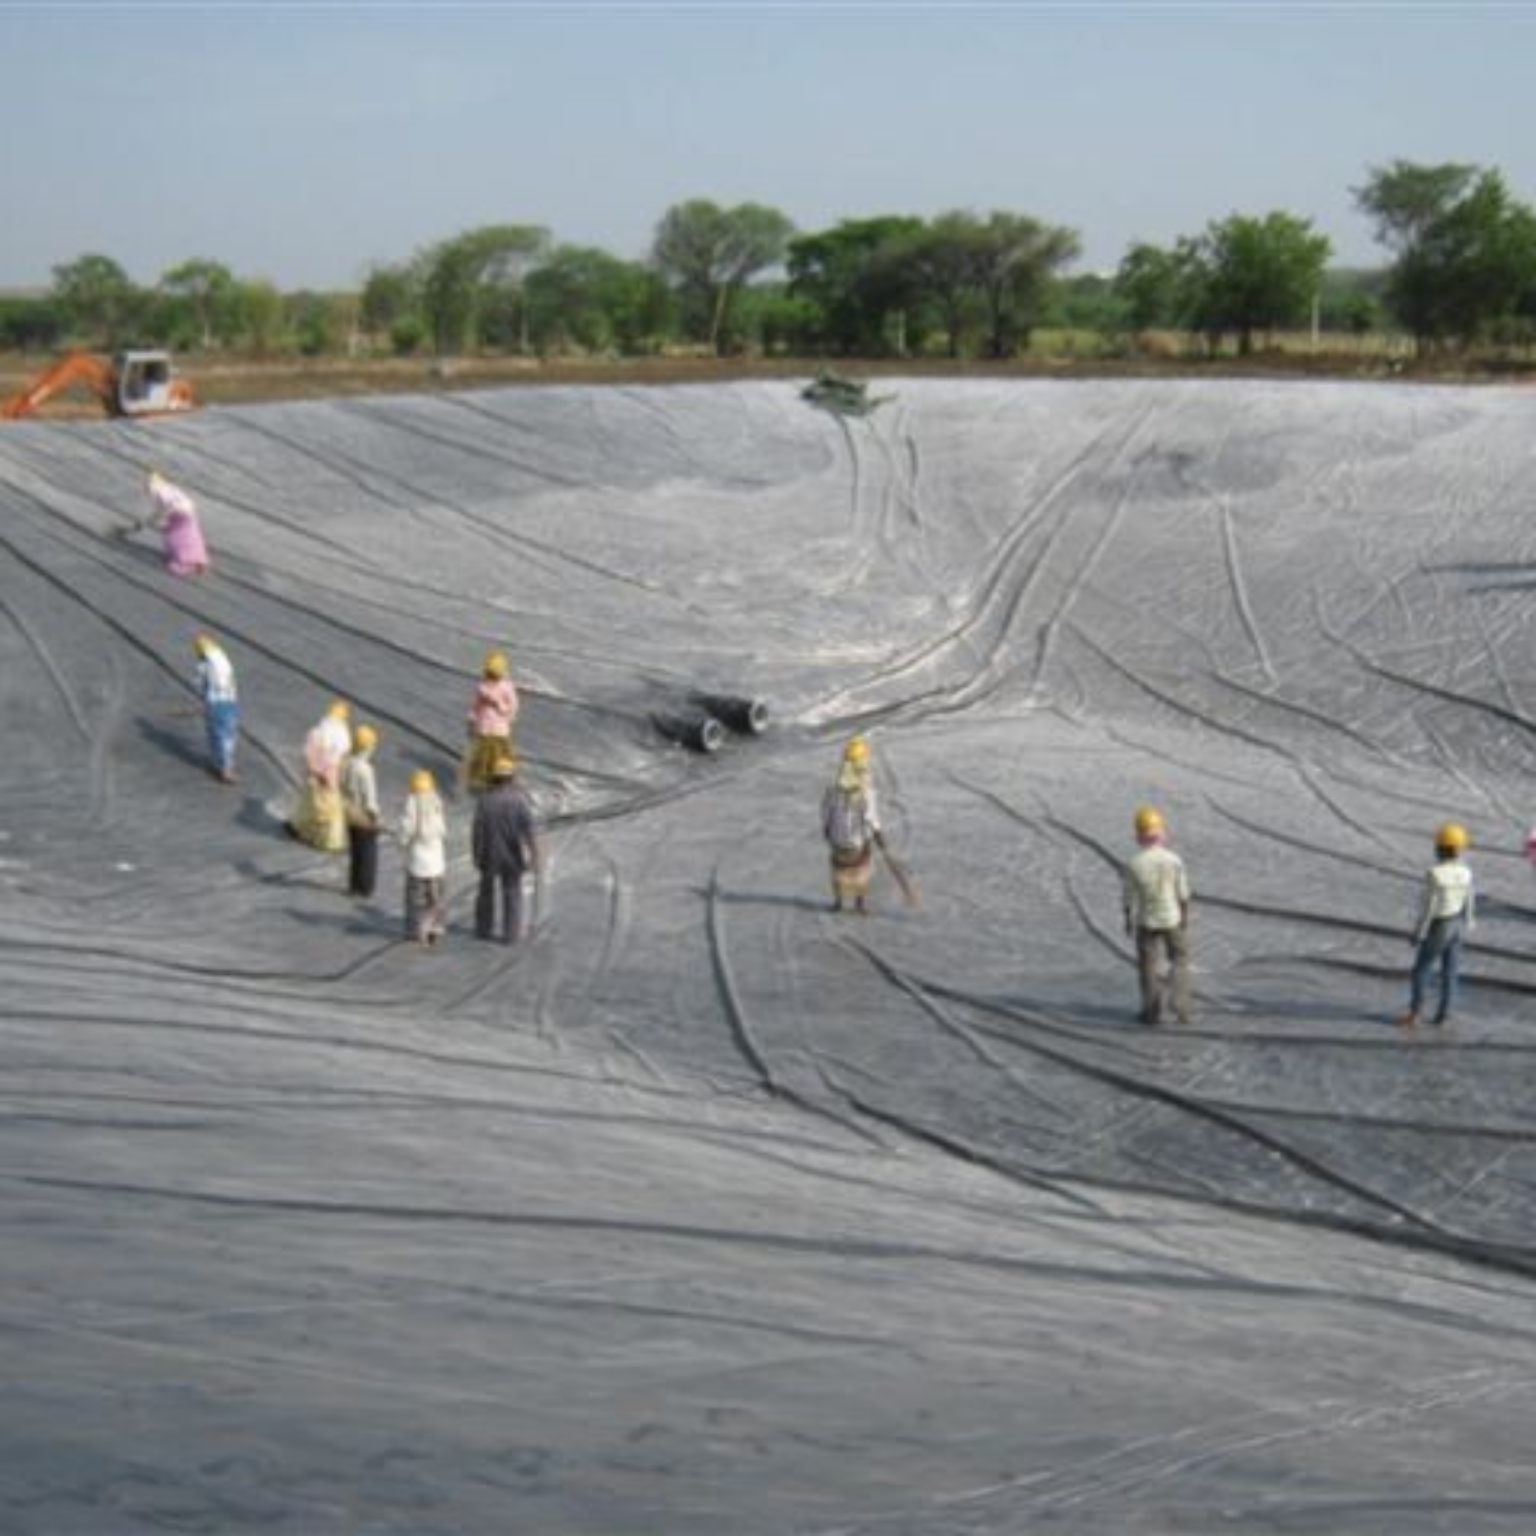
696 730
747 717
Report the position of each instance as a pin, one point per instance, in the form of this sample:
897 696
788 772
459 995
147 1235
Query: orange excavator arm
77 368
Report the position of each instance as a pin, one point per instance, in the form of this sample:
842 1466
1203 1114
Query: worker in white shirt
221 706
1157 918
1447 913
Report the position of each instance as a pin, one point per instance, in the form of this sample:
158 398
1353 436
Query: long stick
900 874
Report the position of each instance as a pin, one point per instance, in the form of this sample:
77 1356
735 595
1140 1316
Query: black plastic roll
747 717
699 732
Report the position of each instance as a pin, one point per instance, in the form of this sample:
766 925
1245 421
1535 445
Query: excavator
130 384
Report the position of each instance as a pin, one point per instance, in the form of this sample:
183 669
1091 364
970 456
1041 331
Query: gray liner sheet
704 1210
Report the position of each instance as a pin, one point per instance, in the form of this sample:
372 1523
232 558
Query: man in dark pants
505 848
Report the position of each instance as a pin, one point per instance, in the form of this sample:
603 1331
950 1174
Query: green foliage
259 307
585 300
1158 288
1464 248
1258 274
390 295
851 286
31 325
407 335
707 253
317 323
209 293
987 278
1351 301
477 274
99 303
1089 302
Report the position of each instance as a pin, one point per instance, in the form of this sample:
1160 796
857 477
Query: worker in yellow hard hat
492 713
1447 913
850 823
423 834
360 805
319 818
505 847
220 697
1157 900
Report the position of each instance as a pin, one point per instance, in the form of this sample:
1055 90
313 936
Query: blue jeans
222 721
1443 944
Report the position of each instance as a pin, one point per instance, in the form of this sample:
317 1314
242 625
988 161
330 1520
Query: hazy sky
304 142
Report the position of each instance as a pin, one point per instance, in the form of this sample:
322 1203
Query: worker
505 849
360 805
850 823
1156 890
492 711
174 514
320 819
1447 912
423 835
220 698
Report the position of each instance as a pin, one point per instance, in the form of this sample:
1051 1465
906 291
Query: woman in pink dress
492 711
181 536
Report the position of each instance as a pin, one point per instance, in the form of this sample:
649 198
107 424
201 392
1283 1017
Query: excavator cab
145 384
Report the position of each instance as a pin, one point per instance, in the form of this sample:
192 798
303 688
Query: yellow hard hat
504 767
857 750
203 643
1453 836
338 709
1149 821
495 664
422 782
365 736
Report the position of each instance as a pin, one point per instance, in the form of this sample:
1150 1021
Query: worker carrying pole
850 823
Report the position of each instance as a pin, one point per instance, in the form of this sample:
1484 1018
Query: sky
306 143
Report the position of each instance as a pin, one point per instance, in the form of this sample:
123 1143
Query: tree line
733 280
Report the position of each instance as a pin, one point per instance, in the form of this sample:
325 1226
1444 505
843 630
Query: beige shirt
1156 889
360 790
1447 893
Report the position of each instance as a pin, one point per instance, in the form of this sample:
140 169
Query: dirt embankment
234 380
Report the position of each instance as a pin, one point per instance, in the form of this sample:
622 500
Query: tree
31 325
464 276
259 307
942 263
1018 257
707 252
586 298
209 291
389 295
1156 286
97 298
989 274
1465 250
1258 274
856 290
